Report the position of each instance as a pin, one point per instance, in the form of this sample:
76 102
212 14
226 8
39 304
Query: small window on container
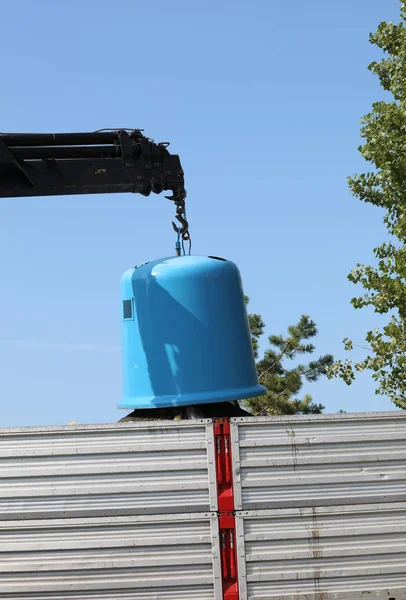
127 310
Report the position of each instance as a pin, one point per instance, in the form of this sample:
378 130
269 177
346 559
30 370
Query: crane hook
178 198
184 229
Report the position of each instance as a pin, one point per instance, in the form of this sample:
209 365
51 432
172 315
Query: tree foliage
384 132
282 384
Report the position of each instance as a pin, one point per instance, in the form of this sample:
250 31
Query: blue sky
262 101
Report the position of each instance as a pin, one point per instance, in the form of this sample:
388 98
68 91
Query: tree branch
275 362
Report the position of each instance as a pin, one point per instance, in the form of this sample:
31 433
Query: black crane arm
102 162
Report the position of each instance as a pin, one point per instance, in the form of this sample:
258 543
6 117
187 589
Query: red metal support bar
223 465
225 495
228 557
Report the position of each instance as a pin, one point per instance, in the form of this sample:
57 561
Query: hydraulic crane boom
105 161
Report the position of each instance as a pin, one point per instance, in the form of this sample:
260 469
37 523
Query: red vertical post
225 494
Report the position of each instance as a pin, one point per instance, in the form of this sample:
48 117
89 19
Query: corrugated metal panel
139 558
323 553
316 461
107 470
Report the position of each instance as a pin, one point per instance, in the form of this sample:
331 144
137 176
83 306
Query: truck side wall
321 506
316 506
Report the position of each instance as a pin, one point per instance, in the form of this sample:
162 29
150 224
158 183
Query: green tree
384 132
282 384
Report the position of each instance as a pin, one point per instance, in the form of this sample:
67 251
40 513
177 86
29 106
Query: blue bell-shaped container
185 334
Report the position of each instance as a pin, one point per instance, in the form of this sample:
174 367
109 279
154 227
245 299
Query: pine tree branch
274 376
309 371
280 394
279 358
272 398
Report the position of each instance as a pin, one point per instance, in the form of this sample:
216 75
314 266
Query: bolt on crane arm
102 162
